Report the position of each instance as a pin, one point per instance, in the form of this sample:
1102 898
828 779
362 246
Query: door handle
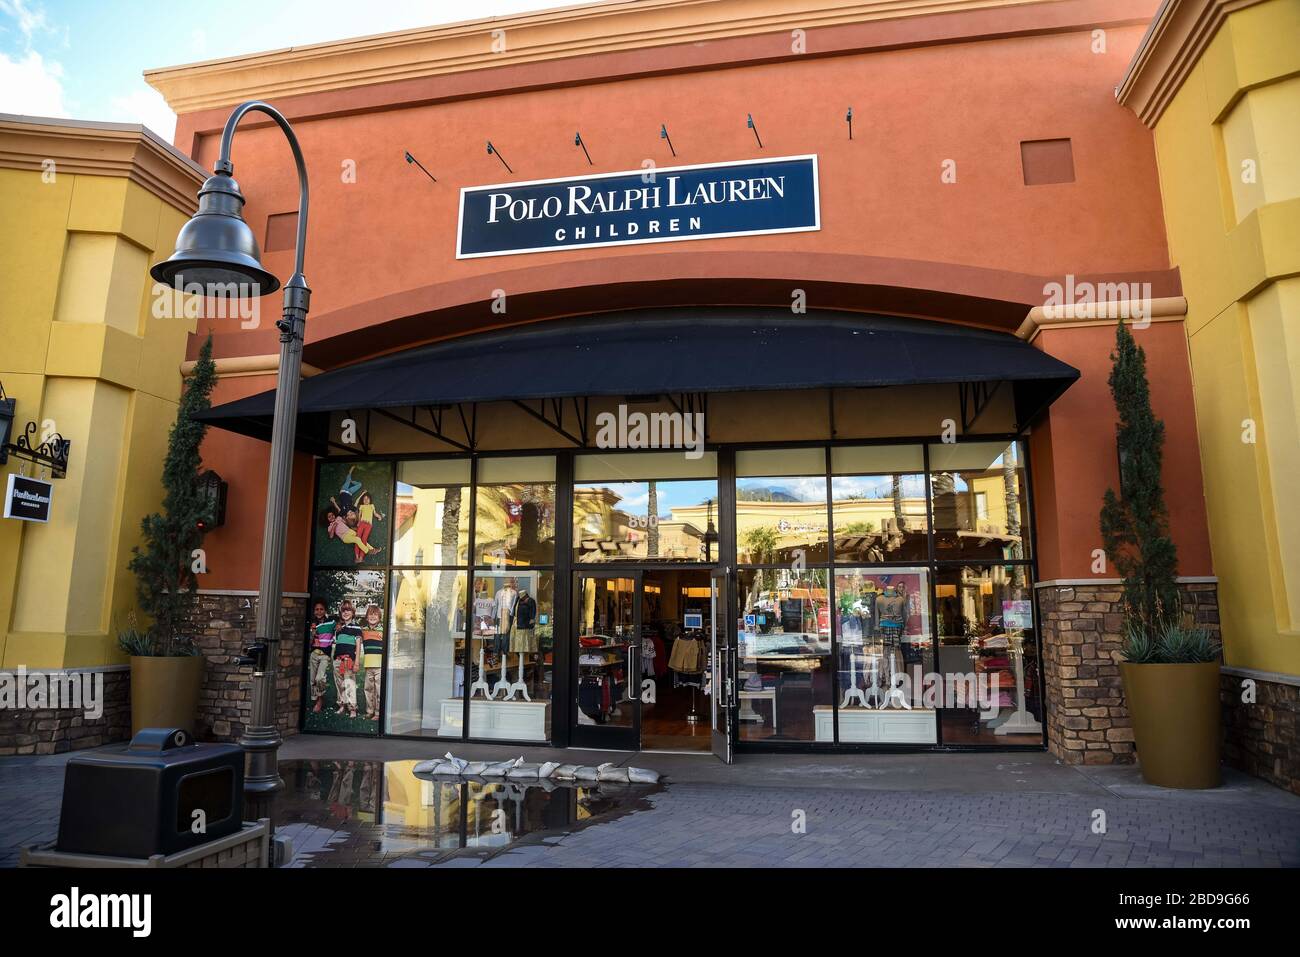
632 650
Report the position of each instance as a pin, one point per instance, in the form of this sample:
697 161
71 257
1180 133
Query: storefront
733 429
690 576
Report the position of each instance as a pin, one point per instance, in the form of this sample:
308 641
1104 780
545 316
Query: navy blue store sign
747 198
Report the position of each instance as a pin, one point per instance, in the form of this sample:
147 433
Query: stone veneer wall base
54 731
1082 632
223 624
1261 737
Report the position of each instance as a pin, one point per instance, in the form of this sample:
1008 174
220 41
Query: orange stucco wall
882 197
1074 458
895 237
234 551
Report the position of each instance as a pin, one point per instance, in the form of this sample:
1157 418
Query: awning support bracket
687 403
974 398
551 413
435 433
365 440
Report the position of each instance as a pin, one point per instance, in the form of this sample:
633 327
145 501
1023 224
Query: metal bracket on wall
551 413
51 454
974 398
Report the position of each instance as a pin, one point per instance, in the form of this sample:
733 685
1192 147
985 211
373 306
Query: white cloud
31 86
145 106
30 20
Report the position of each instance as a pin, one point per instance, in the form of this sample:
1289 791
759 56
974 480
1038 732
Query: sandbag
547 769
585 773
456 762
565 772
612 773
474 768
642 776
523 772
500 769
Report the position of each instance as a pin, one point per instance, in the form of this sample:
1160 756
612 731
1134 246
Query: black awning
670 351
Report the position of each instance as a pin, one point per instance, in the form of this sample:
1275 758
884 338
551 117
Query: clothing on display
687 655
891 609
523 638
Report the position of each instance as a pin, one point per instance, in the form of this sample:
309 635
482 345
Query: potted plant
1170 669
1171 681
166 666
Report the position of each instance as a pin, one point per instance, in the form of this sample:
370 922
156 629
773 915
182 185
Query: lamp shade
216 247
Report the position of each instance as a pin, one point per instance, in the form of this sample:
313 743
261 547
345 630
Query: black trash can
140 799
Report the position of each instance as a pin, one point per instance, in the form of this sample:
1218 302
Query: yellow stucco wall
85 357
1227 147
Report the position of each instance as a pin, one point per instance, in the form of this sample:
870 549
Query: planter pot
1175 711
165 692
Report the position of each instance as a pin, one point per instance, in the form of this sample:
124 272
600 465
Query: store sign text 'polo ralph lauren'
747 198
28 499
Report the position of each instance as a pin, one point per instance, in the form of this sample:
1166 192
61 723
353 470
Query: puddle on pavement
381 814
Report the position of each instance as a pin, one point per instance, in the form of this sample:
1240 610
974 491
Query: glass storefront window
886 648
988 655
512 655
426 677
781 506
878 504
650 506
431 513
784 664
977 494
515 511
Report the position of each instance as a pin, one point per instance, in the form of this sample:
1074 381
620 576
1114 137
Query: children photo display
354 502
346 630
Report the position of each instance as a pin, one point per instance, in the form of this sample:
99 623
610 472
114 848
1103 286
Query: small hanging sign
28 499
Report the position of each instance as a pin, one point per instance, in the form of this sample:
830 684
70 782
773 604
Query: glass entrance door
606 675
722 662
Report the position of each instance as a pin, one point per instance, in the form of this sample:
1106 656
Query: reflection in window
425 653
515 524
880 518
988 654
780 517
977 491
431 520
784 659
649 521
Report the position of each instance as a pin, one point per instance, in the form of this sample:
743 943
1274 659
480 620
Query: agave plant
1174 643
1184 644
1138 647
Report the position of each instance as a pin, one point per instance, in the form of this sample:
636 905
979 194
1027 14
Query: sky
83 59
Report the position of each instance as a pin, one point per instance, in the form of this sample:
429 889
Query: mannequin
506 599
523 639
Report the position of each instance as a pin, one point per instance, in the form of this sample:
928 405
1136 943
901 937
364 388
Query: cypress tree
1135 523
165 581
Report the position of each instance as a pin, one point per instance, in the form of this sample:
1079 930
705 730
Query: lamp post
216 249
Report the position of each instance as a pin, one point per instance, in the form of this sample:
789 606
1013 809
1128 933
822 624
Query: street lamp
216 250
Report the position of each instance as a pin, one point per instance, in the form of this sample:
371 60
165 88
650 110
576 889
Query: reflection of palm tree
450 547
761 545
898 503
900 523
652 517
944 485
1011 490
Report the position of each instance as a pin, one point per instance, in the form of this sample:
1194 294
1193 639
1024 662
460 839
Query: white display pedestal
504 720
1021 721
871 726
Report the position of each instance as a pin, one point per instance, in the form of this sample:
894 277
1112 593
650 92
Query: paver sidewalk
923 810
